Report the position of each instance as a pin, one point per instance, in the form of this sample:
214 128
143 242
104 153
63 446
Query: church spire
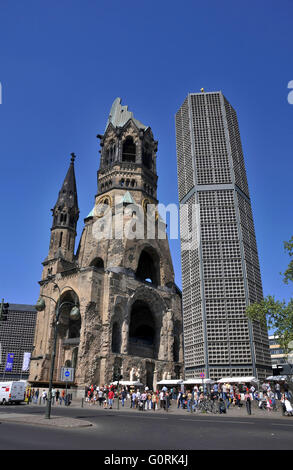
65 217
67 199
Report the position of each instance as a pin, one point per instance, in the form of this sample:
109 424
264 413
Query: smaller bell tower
65 217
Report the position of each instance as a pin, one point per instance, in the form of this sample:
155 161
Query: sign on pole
9 362
67 374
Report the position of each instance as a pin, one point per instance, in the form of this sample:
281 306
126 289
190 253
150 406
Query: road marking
135 416
281 424
214 421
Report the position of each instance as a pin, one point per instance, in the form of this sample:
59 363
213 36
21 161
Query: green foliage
288 274
275 314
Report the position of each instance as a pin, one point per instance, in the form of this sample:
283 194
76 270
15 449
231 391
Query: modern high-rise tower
221 276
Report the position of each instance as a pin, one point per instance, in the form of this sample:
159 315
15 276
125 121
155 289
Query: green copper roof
127 198
119 115
91 214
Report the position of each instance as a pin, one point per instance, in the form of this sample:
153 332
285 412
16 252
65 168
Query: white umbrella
198 380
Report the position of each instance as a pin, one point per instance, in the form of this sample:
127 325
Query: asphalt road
129 430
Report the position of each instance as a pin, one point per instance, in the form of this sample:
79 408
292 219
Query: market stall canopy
239 380
276 378
127 383
170 382
198 380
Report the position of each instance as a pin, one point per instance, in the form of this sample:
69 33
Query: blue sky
63 63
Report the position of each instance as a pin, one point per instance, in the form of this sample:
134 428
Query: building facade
17 330
278 355
130 308
221 276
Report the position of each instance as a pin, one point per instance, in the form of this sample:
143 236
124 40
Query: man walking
248 402
111 399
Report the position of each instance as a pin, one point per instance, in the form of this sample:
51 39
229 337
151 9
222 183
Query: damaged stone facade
130 308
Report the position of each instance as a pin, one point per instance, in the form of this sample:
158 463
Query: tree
276 314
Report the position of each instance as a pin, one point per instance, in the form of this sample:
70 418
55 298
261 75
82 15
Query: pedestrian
278 390
189 400
67 399
179 400
57 396
44 396
133 399
110 399
53 396
143 399
100 397
252 391
287 407
222 406
123 397
167 401
247 399
154 401
161 397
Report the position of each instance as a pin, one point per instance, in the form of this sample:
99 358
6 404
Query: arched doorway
68 332
142 338
150 369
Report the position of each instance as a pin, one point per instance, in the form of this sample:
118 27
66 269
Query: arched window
97 263
60 239
148 268
147 156
74 357
129 150
67 327
116 338
176 349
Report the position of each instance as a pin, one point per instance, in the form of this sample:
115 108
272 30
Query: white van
12 392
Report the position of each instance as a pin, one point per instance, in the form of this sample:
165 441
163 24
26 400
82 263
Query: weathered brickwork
130 308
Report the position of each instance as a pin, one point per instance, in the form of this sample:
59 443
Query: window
148 269
129 150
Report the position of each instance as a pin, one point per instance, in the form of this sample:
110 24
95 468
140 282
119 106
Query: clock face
102 205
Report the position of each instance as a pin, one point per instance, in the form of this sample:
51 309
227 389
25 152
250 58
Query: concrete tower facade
222 275
121 278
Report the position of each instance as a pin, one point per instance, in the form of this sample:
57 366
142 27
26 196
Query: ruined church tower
121 276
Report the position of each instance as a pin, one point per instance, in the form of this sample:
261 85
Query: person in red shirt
110 398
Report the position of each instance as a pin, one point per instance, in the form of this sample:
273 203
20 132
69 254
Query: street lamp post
74 314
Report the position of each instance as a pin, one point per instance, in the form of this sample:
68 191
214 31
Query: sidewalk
231 412
55 421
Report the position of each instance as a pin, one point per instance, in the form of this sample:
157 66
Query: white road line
144 417
281 424
214 421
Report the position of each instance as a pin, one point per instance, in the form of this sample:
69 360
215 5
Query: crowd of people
216 398
140 399
213 398
58 397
